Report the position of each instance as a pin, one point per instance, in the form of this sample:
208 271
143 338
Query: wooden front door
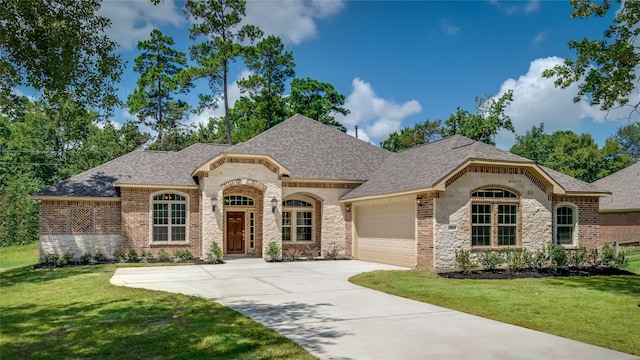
235 232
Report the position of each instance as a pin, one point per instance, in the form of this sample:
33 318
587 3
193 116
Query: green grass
634 266
75 313
600 310
19 255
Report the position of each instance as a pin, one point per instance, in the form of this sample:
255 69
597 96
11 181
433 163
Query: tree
605 68
317 100
271 67
420 133
629 138
218 21
58 46
153 100
485 123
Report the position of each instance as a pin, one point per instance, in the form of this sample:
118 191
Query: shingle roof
311 150
137 167
571 184
424 166
625 186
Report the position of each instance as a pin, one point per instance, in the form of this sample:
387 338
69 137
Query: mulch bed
511 274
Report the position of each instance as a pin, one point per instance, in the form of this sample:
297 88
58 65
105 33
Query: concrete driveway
313 304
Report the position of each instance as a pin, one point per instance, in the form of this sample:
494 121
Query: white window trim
574 243
294 210
187 216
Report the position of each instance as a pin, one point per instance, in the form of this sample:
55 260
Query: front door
235 232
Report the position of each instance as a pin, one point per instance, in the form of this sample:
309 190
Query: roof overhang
73 198
158 186
416 192
206 167
619 210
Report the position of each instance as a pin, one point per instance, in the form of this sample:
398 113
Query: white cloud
293 20
375 117
521 7
448 28
362 135
537 99
132 21
540 37
234 94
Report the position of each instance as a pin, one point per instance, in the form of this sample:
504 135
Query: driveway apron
314 304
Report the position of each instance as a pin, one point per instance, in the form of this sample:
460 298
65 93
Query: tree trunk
226 103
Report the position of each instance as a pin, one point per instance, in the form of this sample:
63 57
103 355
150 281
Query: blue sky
403 62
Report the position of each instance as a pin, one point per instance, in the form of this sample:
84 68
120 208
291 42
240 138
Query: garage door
386 233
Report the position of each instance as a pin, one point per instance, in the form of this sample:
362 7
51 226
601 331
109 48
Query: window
494 218
252 231
297 220
237 200
564 225
169 218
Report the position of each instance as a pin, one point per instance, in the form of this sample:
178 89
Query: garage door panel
386 233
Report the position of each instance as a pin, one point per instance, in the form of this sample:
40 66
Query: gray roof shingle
625 188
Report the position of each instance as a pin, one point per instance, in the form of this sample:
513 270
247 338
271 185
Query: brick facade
424 216
79 217
255 191
617 226
588 218
136 221
317 222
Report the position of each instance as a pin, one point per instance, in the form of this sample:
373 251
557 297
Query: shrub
333 251
515 259
119 256
64 259
99 257
145 256
490 260
182 255
540 258
163 256
132 256
293 253
274 251
215 253
528 258
85 258
464 262
557 256
577 257
311 252
609 258
51 259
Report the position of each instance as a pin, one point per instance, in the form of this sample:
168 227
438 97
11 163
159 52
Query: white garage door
386 233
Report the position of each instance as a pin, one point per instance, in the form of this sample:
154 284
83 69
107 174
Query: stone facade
618 226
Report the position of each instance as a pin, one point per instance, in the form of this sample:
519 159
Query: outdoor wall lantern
274 204
348 207
214 200
419 198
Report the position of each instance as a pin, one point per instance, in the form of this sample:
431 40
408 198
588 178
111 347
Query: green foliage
293 253
464 261
86 258
215 253
420 133
274 251
317 100
557 256
132 256
145 256
119 256
163 256
64 260
629 139
609 258
182 255
577 257
58 46
99 257
333 251
51 259
488 120
219 23
605 69
491 260
515 259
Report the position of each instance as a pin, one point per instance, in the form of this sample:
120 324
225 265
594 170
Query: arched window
169 218
297 220
237 200
494 218
565 224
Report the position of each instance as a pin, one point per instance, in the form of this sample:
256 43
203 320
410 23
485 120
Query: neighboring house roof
625 187
573 185
425 166
136 167
311 150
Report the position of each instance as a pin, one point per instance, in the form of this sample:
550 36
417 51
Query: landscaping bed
529 273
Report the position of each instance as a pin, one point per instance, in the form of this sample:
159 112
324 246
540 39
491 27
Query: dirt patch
511 274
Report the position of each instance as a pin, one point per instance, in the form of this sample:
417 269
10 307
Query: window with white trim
169 218
565 225
297 220
494 218
237 200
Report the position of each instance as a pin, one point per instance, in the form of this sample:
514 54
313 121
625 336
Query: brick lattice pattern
80 217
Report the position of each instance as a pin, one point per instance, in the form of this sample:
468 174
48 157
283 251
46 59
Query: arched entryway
242 208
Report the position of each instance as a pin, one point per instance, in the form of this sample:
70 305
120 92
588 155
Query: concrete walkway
313 304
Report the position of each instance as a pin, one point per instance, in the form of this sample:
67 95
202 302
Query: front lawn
600 310
75 313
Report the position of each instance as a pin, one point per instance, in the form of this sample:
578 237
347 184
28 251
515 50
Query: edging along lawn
599 310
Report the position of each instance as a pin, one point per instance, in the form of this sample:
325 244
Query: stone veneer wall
617 226
588 221
454 208
136 219
79 227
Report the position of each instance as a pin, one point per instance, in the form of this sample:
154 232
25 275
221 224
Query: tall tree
219 22
488 120
271 67
58 46
420 133
317 100
605 69
629 138
153 100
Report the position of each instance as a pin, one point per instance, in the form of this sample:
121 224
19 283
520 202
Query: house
302 183
620 213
